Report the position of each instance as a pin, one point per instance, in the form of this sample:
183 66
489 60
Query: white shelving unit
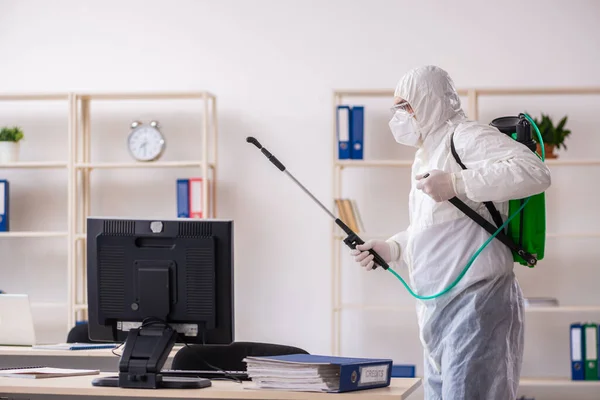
79 166
83 166
473 95
43 166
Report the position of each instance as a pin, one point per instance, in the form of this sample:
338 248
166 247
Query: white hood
431 93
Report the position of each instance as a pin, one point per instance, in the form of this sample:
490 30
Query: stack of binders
190 198
315 373
584 351
350 127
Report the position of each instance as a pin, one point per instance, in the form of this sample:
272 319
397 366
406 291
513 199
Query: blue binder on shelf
183 198
357 132
337 374
4 203
343 122
577 349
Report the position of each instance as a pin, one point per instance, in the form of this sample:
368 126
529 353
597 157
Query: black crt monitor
154 282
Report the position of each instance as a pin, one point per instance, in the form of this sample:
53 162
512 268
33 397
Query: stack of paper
312 373
45 372
267 374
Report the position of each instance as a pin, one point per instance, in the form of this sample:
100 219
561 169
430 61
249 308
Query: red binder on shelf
196 198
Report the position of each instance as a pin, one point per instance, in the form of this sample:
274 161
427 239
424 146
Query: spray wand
353 239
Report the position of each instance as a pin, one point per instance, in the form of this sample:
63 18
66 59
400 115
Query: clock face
146 143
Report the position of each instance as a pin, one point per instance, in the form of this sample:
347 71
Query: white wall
273 66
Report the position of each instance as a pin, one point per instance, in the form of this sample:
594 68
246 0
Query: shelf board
373 163
365 92
365 235
33 234
156 164
378 92
35 164
565 309
33 96
559 309
539 91
408 163
482 91
557 382
147 95
560 162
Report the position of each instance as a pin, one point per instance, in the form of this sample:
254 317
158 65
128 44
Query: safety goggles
403 106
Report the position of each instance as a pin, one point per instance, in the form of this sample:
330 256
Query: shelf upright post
335 270
71 212
214 156
205 156
87 140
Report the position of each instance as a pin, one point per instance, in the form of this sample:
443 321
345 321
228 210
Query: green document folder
590 340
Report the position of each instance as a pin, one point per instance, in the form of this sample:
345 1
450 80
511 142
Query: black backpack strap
475 216
501 236
488 204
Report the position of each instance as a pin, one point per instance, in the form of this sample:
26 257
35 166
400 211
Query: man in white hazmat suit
472 335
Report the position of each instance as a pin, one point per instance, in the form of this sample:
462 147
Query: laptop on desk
16 321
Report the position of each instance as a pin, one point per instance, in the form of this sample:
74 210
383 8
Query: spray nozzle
266 152
253 140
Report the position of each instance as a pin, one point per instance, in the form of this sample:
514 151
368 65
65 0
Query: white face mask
404 129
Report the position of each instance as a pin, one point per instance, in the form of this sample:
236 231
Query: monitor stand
146 351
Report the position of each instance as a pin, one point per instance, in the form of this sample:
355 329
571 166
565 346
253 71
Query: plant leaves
13 134
553 134
561 124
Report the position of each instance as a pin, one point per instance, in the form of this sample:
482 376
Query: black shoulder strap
484 223
454 153
488 204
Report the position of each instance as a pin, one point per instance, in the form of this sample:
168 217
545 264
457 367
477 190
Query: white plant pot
9 152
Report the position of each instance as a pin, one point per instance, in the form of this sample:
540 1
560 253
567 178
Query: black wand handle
353 240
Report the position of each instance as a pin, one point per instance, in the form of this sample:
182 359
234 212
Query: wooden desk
101 359
81 387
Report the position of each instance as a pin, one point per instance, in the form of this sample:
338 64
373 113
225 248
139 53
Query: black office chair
79 334
227 357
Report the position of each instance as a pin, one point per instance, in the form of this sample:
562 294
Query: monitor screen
179 271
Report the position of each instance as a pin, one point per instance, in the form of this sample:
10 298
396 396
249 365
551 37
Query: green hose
466 268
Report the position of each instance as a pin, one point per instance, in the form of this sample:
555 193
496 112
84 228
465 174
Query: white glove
387 250
439 185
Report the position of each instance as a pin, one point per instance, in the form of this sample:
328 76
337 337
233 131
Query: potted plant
9 144
553 136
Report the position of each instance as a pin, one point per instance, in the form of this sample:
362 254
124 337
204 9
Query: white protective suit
473 335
